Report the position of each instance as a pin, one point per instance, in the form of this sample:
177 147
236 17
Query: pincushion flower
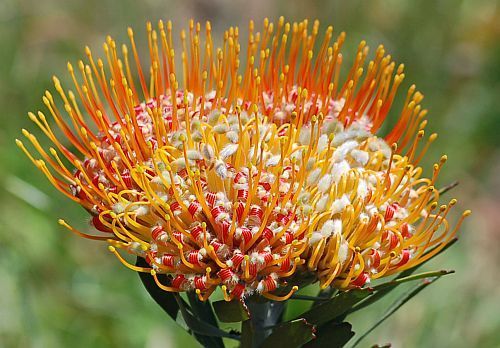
246 169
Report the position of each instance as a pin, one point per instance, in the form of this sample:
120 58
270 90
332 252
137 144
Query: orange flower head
242 169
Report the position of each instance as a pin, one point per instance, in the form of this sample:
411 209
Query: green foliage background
57 290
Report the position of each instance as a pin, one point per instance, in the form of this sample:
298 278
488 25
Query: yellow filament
281 298
113 250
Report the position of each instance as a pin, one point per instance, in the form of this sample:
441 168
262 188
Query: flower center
249 191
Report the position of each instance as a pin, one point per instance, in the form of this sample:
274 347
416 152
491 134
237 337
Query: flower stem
203 310
263 317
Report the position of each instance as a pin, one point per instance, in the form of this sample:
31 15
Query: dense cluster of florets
242 181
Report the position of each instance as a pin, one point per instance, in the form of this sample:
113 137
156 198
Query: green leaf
335 307
164 299
398 304
333 335
204 312
198 326
247 334
230 312
398 281
325 293
291 334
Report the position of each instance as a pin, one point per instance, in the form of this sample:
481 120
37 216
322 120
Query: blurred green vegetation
57 290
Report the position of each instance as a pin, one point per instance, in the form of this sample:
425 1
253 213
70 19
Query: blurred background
57 290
